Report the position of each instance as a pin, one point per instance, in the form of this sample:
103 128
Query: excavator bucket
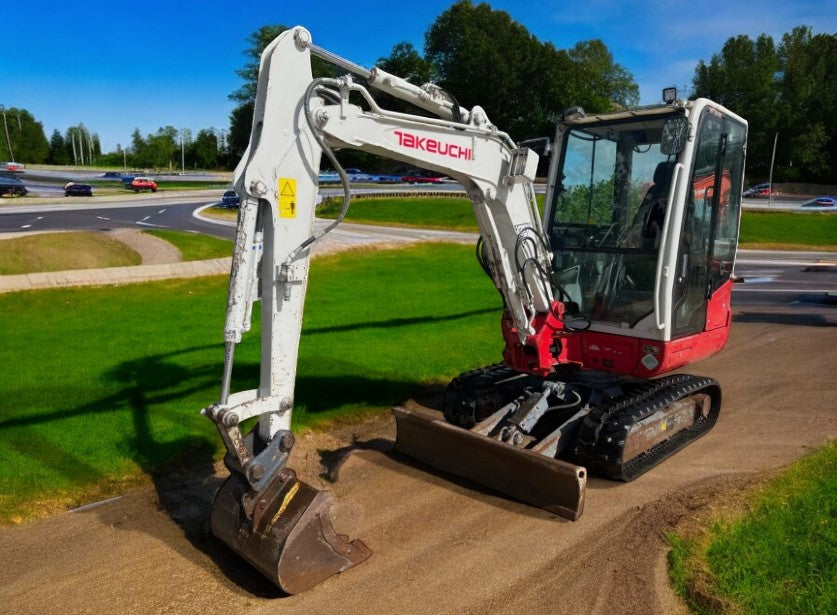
524 475
288 535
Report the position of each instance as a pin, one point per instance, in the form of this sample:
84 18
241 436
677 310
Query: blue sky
117 67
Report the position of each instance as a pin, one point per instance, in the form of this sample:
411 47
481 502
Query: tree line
483 57
787 93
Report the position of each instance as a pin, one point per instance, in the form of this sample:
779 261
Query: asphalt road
139 213
789 282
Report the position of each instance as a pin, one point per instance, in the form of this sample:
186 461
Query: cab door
709 236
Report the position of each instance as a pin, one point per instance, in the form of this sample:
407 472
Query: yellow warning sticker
287 197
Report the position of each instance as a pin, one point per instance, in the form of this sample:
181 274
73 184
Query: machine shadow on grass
184 471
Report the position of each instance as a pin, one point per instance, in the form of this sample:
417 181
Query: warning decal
287 197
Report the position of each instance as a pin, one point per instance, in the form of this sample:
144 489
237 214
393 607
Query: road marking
140 222
102 218
162 210
775 263
39 218
26 226
144 219
740 287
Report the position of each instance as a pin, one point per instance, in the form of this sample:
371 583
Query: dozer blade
288 537
532 478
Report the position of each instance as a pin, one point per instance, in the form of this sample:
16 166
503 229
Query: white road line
140 222
26 226
102 218
777 263
143 219
39 218
162 210
740 287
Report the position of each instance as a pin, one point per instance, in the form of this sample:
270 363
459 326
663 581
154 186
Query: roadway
797 282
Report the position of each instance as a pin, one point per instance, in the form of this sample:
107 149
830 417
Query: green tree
486 58
482 57
600 83
809 105
81 145
25 136
241 118
406 62
57 149
204 150
161 147
789 90
743 78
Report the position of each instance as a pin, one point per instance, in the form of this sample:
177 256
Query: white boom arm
296 119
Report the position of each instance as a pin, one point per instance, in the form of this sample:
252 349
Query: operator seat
651 213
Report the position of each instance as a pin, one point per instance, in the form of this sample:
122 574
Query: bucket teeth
524 475
285 532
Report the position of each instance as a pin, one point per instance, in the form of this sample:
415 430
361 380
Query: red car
139 184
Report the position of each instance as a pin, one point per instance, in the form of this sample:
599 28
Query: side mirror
540 145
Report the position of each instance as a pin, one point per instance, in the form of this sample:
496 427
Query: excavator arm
264 512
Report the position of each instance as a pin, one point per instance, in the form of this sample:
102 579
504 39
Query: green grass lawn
788 229
107 383
451 213
779 556
62 251
195 246
758 229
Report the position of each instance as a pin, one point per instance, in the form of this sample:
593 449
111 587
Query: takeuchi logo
426 144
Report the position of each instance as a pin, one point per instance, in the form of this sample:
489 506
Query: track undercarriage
548 432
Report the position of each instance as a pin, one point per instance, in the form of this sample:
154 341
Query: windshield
607 219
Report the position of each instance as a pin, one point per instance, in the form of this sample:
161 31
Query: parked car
74 189
230 200
821 201
357 175
11 186
328 177
424 177
758 191
140 184
14 167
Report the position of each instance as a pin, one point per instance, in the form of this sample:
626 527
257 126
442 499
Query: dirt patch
153 250
440 545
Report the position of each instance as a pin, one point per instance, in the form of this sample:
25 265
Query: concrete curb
114 276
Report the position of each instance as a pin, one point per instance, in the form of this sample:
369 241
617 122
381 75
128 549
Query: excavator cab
643 219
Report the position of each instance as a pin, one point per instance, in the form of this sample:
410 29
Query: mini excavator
626 277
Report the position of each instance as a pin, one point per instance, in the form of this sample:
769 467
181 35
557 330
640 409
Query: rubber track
472 396
601 440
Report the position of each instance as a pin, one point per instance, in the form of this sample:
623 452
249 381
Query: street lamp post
772 160
8 140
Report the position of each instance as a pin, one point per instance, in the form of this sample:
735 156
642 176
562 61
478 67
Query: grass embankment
448 213
777 555
769 230
63 251
788 230
194 246
107 383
